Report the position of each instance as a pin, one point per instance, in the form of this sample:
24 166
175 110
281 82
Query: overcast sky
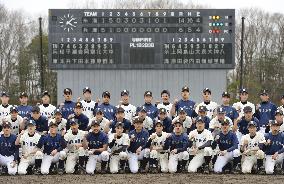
40 7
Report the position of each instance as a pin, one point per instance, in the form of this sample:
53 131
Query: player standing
152 111
210 105
239 106
16 121
165 95
108 109
129 109
88 104
46 109
24 109
67 107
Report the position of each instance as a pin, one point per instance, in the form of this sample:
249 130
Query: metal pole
242 53
41 58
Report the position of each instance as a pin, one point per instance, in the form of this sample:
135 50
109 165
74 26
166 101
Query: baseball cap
45 93
243 90
199 119
106 93
162 110
95 122
31 122
13 108
226 94
119 124
178 122
278 112
35 109
6 124
137 120
67 91
99 111
165 91
78 105
181 110
23 94
57 111
252 123
225 122
143 109
73 121
159 122
4 93
274 122
221 110
202 109
120 109
185 88
247 109
124 92
53 123
148 93
264 92
87 89
206 90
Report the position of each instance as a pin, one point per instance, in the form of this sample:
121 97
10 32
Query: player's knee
191 168
260 154
172 170
22 171
113 170
246 170
62 155
146 153
81 152
154 154
236 153
123 156
164 170
208 151
269 170
44 171
134 170
217 168
185 155
12 171
38 155
105 156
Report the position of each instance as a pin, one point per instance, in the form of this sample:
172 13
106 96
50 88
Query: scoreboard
141 39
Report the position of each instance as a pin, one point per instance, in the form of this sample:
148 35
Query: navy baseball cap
252 123
57 111
162 110
35 109
181 110
78 105
67 91
226 94
6 124
137 120
202 109
148 93
178 122
120 109
95 122
73 121
206 90
221 110
247 109
87 89
264 92
274 122
185 88
225 122
53 123
45 93
243 90
143 109
200 120
106 93
23 94
31 122
99 111
159 122
278 112
13 108
119 124
124 92
165 91
4 93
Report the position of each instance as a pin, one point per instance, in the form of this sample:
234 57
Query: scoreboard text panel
141 39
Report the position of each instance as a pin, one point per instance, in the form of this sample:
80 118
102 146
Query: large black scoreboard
141 39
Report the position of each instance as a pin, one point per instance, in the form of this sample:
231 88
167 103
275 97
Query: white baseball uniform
239 106
215 124
199 140
210 108
61 125
167 107
4 111
105 123
129 111
186 123
47 111
15 124
88 108
147 123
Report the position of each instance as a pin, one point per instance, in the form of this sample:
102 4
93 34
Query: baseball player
88 104
129 109
185 103
4 107
108 109
251 150
15 120
281 107
273 148
118 144
231 112
200 150
104 123
67 107
165 95
280 119
265 111
156 144
119 117
136 149
9 152
177 144
41 121
165 120
46 109
24 109
239 106
83 120
52 145
147 121
96 143
227 142
152 111
61 122
202 114
74 150
185 120
215 123
28 140
210 106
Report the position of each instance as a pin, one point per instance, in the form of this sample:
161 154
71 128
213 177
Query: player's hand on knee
174 151
53 152
275 156
222 153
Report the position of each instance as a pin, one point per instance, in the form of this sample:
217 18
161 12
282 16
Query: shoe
261 170
36 171
81 170
237 169
142 170
60 171
206 169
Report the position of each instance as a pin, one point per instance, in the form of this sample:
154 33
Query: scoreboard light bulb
221 24
213 17
217 17
213 24
217 24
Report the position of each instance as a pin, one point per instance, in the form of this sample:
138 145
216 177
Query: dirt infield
143 179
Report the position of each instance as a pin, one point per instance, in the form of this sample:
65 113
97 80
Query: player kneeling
28 140
96 143
228 145
251 151
74 150
177 142
200 152
53 143
157 153
118 145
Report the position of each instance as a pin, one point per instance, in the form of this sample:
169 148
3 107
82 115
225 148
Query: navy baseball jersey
25 111
41 123
265 113
96 141
137 139
228 142
126 125
8 147
83 122
231 112
188 106
243 125
109 111
67 109
276 145
50 143
167 125
152 110
179 142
